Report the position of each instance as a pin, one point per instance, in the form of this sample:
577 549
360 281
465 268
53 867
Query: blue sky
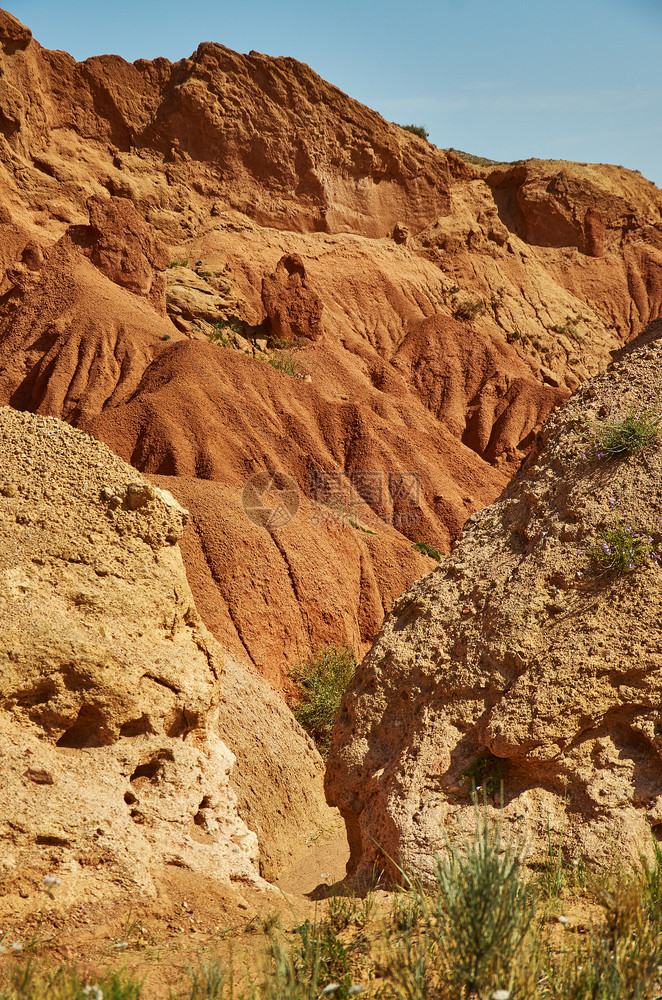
507 79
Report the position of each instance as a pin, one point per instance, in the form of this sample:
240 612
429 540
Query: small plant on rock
623 548
467 311
322 682
219 334
631 436
419 130
427 550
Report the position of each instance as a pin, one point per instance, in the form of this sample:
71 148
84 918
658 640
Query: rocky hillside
133 748
530 659
225 265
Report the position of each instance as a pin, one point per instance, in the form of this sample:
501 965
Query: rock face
521 660
442 311
293 309
114 716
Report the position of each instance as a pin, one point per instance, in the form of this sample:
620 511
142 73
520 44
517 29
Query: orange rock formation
436 311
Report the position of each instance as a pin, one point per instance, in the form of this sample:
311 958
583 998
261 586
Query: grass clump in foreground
37 981
322 681
481 928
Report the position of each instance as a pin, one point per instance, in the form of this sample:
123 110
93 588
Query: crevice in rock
89 730
151 768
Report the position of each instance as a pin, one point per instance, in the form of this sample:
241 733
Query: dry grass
485 929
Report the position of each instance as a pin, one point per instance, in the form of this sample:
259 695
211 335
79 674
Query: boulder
293 309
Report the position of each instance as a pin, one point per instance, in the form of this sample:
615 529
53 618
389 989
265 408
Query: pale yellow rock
520 660
114 723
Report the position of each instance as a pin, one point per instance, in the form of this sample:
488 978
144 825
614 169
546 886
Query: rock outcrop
436 312
523 660
117 706
294 311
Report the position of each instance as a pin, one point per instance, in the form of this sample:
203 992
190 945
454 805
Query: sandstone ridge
117 706
521 661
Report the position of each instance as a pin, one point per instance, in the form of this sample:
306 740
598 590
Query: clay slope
438 313
120 715
522 660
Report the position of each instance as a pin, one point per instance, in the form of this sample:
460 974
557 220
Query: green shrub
322 682
467 311
419 130
478 936
427 550
486 910
178 263
622 549
631 436
317 964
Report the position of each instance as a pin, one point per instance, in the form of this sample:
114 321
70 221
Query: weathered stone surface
519 660
114 723
294 311
238 163
126 249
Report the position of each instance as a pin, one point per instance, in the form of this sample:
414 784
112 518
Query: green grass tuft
467 311
285 364
322 682
631 436
427 550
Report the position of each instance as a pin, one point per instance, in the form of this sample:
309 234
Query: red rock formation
451 308
293 309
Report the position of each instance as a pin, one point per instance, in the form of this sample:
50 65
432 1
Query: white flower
16 947
501 995
564 921
330 988
120 944
50 881
93 992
